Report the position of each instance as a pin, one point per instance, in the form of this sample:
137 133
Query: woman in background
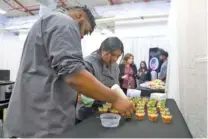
143 74
128 72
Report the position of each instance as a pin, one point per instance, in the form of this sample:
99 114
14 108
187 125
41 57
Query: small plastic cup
110 120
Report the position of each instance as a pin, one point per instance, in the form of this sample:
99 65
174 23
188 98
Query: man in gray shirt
51 69
163 69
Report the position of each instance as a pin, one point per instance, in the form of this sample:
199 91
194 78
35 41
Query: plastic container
134 93
110 120
158 96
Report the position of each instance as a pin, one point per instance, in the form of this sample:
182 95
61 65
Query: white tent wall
12 45
172 84
10 52
139 36
188 25
92 42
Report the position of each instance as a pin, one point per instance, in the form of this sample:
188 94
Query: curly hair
126 57
89 15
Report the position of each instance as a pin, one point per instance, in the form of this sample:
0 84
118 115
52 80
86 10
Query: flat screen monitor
5 75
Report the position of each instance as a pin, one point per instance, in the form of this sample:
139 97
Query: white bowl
133 93
158 96
110 120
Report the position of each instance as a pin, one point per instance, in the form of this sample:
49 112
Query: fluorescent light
2 11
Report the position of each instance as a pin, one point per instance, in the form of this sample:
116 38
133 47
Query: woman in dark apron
102 64
143 73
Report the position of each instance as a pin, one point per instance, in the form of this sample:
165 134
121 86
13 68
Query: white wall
190 29
140 35
92 42
173 70
11 49
10 53
141 28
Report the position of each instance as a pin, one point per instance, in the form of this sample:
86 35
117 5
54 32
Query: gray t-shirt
107 76
42 104
163 69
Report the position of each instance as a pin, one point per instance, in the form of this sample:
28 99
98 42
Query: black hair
111 44
164 53
89 15
140 68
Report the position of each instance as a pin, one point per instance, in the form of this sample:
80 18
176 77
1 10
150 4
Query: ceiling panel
134 9
100 8
93 2
14 9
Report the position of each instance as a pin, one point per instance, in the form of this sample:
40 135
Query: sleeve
165 69
118 73
121 71
89 67
63 45
135 70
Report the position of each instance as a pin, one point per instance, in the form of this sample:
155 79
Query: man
163 69
43 101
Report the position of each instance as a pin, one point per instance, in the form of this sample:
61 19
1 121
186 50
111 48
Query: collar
105 71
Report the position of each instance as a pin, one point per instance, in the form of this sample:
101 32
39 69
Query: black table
92 128
146 92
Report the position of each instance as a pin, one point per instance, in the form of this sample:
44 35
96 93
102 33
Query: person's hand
125 77
124 106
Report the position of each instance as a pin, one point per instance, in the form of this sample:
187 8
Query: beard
80 28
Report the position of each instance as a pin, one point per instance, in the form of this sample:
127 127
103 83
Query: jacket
122 68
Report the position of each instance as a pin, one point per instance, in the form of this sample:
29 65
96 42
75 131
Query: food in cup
149 105
140 108
140 115
167 118
152 110
107 105
114 111
161 103
153 116
162 108
102 110
165 113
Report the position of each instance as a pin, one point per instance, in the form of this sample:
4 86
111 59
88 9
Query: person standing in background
128 72
163 70
143 73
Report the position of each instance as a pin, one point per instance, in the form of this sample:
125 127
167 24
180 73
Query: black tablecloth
92 128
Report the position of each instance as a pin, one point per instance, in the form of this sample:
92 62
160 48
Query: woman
143 73
128 73
102 64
